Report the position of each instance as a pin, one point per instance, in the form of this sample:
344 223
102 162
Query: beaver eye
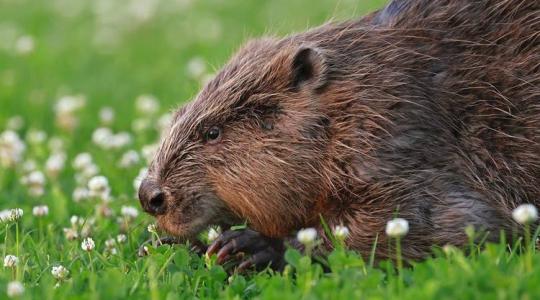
213 134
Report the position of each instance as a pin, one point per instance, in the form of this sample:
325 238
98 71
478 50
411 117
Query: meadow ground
85 87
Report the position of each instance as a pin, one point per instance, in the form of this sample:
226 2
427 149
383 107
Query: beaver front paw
246 248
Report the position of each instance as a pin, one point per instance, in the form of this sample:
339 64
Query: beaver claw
252 249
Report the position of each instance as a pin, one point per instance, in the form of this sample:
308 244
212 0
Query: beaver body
428 110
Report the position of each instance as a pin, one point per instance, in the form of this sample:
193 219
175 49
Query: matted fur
428 110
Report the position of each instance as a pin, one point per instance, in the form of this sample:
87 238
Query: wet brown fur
428 110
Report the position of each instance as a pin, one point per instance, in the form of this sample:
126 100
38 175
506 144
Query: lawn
85 88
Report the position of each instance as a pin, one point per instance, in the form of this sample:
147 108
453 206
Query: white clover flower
213 234
525 214
450 249
67 122
147 104
29 166
206 78
56 144
71 234
143 251
110 243
129 212
59 272
82 161
306 236
24 45
11 261
106 115
76 221
397 227
40 211
102 136
129 159
148 152
55 164
15 289
99 187
110 246
5 215
15 123
86 174
196 67
164 121
35 178
106 139
34 136
35 181
11 148
120 140
141 124
341 232
80 194
152 228
86 228
69 104
140 177
65 110
88 244
15 214
121 238
103 209
142 10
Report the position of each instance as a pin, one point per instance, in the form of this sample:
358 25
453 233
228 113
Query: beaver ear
308 68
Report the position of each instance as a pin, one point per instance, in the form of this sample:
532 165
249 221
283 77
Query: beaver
428 110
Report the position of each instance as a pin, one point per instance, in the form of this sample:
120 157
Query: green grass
100 49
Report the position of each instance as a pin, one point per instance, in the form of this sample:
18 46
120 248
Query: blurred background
101 77
112 51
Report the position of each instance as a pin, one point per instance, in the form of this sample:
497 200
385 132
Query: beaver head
251 146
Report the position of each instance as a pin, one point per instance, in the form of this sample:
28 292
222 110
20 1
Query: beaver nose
152 198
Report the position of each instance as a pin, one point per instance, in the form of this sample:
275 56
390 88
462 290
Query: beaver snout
152 198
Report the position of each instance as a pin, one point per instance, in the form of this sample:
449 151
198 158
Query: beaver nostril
157 203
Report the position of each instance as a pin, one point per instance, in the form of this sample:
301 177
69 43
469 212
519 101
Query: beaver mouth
182 230
187 221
